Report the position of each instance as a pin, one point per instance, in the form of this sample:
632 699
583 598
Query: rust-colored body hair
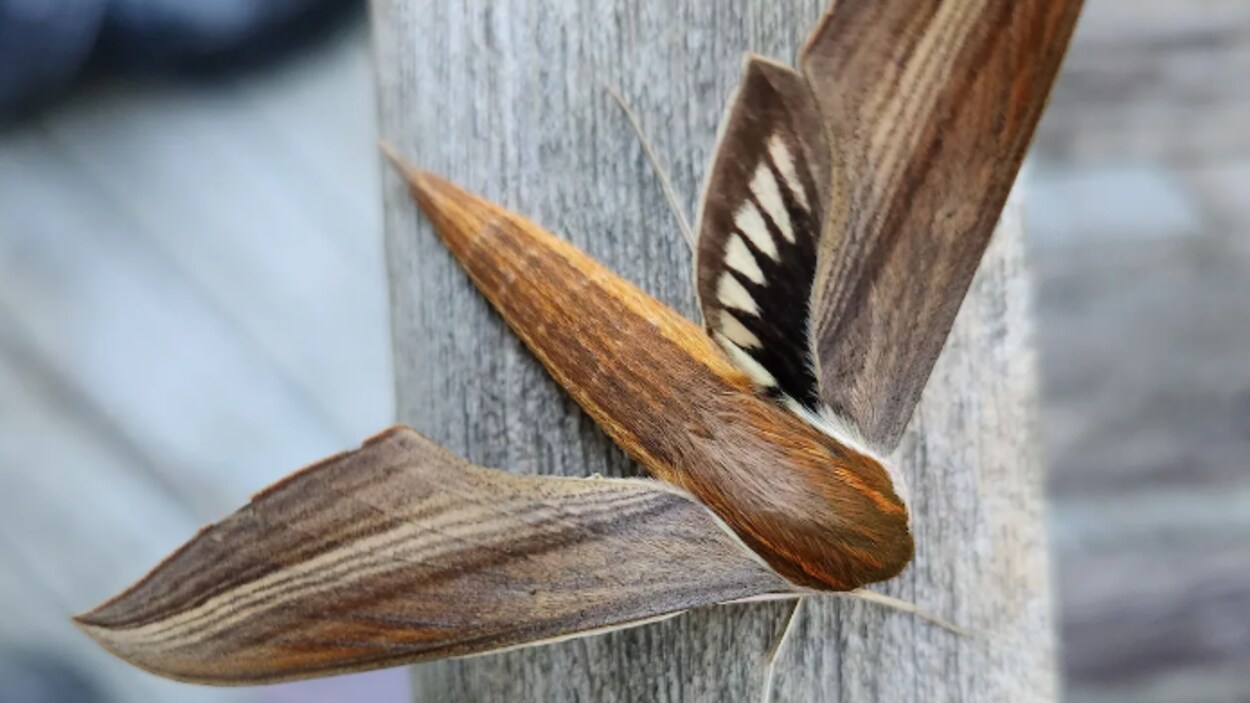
822 514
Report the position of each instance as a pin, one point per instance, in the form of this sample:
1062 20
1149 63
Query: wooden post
508 98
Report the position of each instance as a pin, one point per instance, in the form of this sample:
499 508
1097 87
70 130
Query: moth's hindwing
849 204
759 227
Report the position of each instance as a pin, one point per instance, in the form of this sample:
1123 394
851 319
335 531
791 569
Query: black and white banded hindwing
760 226
905 127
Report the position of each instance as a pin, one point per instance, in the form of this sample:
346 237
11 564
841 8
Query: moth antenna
905 607
665 184
774 652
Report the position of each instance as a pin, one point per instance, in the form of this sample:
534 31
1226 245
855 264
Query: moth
846 209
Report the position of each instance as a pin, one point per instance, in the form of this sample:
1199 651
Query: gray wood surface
508 99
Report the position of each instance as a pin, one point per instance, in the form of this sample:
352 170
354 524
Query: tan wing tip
135 654
103 618
101 624
117 624
85 622
419 180
92 625
397 438
195 665
457 214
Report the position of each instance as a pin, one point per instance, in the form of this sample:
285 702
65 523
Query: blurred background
192 303
1140 240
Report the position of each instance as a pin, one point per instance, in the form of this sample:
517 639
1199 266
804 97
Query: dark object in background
34 677
45 44
211 34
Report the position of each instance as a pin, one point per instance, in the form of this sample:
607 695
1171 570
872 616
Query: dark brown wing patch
759 227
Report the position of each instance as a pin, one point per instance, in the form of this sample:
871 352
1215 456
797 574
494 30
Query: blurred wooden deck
1141 240
192 304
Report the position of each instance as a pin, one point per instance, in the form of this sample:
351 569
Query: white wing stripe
764 186
740 259
737 332
732 295
751 223
747 363
781 157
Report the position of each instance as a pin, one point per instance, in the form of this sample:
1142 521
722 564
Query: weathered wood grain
508 99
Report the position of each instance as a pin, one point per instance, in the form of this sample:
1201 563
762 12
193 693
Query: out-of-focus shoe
200 34
42 677
43 46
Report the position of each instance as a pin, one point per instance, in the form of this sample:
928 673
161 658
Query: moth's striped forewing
401 552
942 98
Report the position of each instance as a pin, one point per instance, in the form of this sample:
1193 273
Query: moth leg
665 184
905 607
774 652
